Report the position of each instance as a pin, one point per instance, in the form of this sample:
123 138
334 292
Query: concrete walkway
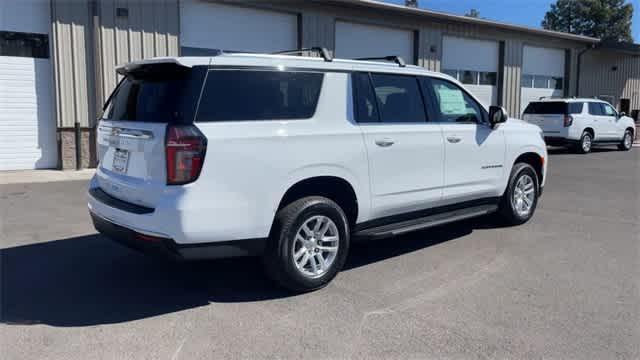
43 176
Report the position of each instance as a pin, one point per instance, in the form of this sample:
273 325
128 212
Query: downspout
579 65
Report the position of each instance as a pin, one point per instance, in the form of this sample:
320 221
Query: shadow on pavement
90 280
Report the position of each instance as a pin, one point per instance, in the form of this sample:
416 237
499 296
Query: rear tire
521 196
585 143
627 141
308 244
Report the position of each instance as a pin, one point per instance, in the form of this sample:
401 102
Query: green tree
609 20
474 13
411 3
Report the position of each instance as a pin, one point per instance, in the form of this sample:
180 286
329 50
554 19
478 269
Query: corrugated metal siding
72 63
512 74
151 29
599 79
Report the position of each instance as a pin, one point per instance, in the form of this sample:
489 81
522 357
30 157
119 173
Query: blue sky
521 12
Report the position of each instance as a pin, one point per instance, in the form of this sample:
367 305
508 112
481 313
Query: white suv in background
581 123
289 158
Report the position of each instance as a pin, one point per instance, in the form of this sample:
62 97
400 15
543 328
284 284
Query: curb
43 176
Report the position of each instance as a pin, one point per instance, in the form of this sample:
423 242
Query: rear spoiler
135 65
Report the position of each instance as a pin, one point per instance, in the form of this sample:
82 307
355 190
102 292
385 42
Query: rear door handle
386 142
453 139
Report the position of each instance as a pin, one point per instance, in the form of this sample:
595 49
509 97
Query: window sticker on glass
451 100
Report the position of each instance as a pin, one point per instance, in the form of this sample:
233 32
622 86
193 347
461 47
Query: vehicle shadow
89 280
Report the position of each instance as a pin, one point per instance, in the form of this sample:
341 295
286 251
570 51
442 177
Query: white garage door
542 74
206 26
27 122
358 40
475 64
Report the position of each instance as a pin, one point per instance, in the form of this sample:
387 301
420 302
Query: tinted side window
399 98
238 95
595 109
575 108
452 104
366 109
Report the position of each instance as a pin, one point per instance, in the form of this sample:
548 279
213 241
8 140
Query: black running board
422 223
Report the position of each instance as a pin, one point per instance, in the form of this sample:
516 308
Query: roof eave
451 17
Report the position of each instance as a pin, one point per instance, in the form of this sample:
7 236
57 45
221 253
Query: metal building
58 57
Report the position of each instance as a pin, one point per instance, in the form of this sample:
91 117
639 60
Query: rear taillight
185 148
568 120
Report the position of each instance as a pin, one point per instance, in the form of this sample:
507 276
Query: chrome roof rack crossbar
396 59
320 50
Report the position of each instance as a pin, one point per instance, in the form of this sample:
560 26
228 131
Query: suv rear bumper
133 226
151 245
169 249
559 141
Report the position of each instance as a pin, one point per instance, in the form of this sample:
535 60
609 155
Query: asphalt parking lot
564 286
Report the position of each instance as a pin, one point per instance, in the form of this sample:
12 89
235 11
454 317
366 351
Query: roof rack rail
320 50
396 59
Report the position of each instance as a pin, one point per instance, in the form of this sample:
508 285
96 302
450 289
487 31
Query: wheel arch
536 161
335 188
590 131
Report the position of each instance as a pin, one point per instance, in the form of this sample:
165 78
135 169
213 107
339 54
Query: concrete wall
599 78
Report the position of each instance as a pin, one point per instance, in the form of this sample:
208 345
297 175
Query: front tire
308 244
521 196
627 141
585 143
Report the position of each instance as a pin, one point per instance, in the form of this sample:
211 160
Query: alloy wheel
523 196
586 143
315 246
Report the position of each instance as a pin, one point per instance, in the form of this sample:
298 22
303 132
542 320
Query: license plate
120 161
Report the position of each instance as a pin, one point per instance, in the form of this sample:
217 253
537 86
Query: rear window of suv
546 107
157 93
244 95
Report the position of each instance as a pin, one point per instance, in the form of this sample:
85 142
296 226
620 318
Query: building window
542 82
488 78
527 81
469 77
472 77
452 73
556 83
24 44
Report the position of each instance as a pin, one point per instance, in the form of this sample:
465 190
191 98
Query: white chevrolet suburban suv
290 158
581 123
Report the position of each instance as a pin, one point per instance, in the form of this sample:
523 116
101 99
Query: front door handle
453 139
386 142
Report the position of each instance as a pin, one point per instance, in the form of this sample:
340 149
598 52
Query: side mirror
497 115
622 114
